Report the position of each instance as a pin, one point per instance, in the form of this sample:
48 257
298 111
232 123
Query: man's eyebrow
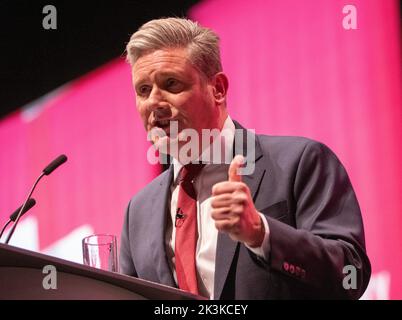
161 74
140 81
170 73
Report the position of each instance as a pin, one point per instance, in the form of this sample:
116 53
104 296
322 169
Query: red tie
186 229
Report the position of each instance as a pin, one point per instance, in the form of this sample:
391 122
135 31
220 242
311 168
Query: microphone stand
22 208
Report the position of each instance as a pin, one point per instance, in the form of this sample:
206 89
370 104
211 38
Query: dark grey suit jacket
314 219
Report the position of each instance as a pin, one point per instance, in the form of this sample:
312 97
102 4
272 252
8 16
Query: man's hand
233 208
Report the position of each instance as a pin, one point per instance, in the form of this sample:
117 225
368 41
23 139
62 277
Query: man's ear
220 87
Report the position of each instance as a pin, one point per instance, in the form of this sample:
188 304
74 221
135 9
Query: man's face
169 88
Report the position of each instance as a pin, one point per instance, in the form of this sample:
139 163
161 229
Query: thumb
236 163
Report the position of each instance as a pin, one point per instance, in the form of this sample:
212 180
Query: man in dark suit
280 220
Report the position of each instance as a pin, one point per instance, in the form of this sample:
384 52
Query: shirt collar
224 148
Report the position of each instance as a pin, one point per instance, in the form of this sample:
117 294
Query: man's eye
173 84
144 90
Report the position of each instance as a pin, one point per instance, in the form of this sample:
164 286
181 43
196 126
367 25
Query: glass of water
100 251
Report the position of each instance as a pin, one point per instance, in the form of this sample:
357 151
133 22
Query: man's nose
156 101
158 105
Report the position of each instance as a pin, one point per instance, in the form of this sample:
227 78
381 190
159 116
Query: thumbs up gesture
233 209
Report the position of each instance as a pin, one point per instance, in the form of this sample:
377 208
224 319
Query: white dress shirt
211 174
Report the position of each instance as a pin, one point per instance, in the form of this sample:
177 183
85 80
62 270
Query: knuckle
214 214
237 209
242 198
214 202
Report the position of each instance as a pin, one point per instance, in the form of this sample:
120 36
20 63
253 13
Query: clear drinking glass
100 251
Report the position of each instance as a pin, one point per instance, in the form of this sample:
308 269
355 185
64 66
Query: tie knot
190 171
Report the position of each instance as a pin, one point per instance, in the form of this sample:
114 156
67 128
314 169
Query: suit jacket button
292 269
297 271
303 273
285 266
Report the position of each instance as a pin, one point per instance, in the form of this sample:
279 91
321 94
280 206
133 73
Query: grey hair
202 43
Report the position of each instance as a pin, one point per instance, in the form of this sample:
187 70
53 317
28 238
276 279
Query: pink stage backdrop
293 70
94 122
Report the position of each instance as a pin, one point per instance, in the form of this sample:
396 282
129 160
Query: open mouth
164 124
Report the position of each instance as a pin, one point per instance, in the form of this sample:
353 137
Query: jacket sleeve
126 262
327 234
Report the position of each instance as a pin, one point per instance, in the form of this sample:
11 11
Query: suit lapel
159 214
226 247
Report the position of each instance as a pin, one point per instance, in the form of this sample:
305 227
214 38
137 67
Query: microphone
55 164
180 216
31 202
48 170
